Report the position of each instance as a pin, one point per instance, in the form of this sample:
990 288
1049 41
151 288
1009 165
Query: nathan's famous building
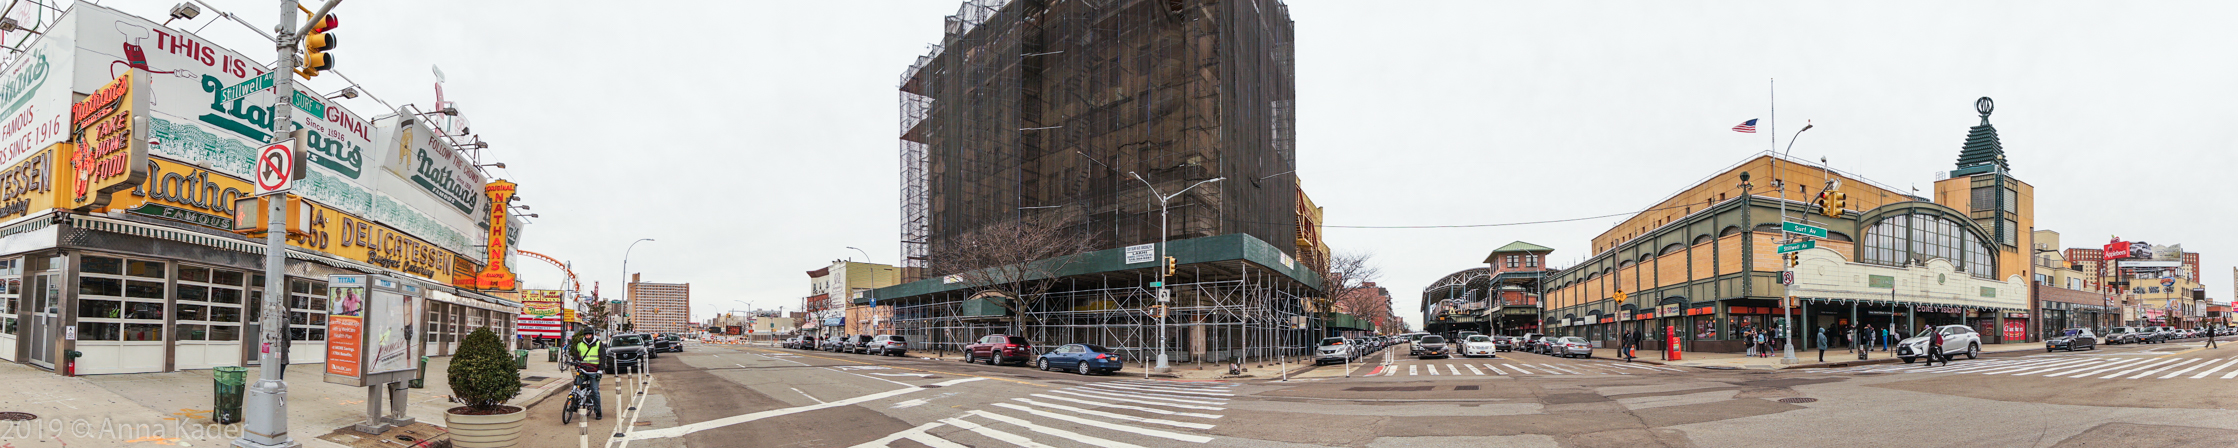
1704 264
124 167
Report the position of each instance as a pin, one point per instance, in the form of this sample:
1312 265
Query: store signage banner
28 185
496 276
355 238
345 329
35 97
111 153
187 193
541 302
2116 250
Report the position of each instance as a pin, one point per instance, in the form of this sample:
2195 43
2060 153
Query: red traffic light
326 24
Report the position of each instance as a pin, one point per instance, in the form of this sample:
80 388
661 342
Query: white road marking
805 394
1473 369
1111 426
992 433
1146 389
2138 367
681 430
1063 434
1184 390
2039 367
1410 369
1090 393
1433 369
919 375
2204 374
1495 369
1455 370
2166 367
906 434
2188 369
1519 369
1121 406
2093 362
1113 416
2079 373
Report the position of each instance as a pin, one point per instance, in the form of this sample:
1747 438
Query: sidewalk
1180 370
175 408
1806 359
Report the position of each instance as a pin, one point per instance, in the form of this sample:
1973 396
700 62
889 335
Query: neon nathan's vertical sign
497 276
110 128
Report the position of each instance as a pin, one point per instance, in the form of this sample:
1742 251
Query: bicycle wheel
567 413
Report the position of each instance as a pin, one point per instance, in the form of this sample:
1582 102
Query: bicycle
585 394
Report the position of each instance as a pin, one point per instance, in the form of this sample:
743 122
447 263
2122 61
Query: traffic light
1158 311
1793 258
315 45
1170 266
1832 203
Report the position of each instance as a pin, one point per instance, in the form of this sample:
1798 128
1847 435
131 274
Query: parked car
1000 349
1528 342
2072 339
1085 359
2122 335
1479 345
1464 335
1957 339
1570 347
1333 349
666 344
858 344
804 342
625 353
1503 343
2151 335
1433 345
830 344
887 345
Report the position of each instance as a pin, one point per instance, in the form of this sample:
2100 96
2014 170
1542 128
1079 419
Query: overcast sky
757 140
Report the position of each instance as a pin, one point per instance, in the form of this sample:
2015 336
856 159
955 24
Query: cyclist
584 354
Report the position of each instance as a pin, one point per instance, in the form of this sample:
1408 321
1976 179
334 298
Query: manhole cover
536 378
1464 387
1797 400
930 386
17 416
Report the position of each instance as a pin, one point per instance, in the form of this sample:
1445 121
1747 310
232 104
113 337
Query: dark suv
666 344
1000 349
625 353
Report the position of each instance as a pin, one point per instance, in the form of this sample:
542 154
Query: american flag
1747 127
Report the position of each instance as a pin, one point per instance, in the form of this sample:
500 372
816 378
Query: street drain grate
1464 387
17 416
930 386
535 378
1797 400
1390 389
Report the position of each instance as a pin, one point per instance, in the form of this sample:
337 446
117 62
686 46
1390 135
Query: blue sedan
1083 358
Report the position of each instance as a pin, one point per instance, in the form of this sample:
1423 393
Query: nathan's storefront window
121 314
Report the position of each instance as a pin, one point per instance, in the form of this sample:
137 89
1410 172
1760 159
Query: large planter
486 431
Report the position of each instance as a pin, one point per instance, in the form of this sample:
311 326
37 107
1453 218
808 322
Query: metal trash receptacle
420 382
231 383
520 359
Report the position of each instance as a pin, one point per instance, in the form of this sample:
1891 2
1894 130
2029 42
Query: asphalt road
2177 394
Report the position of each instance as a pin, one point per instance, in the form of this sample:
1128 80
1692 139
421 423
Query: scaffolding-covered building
1075 113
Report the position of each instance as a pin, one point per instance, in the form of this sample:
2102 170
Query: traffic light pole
1787 291
265 406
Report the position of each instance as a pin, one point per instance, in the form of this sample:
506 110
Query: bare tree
1346 285
1020 259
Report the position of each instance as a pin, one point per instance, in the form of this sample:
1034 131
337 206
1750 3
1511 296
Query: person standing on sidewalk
1868 337
1821 344
1748 336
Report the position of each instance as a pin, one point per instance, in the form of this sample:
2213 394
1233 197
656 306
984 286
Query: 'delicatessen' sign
331 231
112 143
28 185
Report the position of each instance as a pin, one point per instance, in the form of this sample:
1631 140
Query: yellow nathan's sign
28 186
542 302
111 129
497 275
324 229
186 193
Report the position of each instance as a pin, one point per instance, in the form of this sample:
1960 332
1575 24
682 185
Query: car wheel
1973 350
969 359
1044 364
1909 360
1084 369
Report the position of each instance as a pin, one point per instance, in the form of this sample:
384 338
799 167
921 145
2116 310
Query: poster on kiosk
370 330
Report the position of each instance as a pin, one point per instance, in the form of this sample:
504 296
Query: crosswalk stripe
1113 416
1410 369
912 434
2136 367
2204 374
1178 384
1986 366
2233 373
1111 426
1519 369
1168 389
1549 370
1433 370
2162 368
1146 389
2094 368
1563 368
1473 369
2063 367
1138 399
1068 435
992 433
1456 370
2038 367
1121 406
1495 369
2188 369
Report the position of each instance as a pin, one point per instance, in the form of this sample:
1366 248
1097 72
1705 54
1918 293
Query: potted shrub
483 377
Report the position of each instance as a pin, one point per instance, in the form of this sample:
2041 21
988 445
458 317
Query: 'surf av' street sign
1797 247
1804 229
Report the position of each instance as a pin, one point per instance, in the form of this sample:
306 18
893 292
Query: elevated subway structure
1233 299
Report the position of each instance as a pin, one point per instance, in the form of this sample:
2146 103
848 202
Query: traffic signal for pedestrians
1158 311
1793 258
1170 266
315 45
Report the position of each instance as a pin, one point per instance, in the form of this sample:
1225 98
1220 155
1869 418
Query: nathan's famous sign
112 148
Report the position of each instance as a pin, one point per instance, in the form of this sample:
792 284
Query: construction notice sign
111 126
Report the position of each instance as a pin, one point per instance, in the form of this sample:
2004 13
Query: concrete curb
1853 363
537 396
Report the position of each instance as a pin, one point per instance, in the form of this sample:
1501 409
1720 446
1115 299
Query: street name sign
1797 247
247 87
1805 229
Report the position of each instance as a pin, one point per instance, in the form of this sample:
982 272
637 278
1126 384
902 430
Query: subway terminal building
1705 265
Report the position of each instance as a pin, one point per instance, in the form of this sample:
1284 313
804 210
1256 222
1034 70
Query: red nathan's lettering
100 101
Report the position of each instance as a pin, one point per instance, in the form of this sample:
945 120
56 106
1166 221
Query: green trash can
231 382
420 382
520 359
551 354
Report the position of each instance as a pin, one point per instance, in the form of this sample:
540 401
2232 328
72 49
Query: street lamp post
1163 296
610 323
1787 292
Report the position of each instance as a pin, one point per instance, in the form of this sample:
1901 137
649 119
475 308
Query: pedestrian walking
1866 337
1748 336
1638 339
2211 336
1935 347
1821 344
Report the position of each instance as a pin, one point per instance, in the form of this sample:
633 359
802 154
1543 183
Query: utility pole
266 402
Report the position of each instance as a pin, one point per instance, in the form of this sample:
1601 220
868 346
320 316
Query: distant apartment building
832 287
659 307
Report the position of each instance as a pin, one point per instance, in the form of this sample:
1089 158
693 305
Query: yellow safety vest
588 351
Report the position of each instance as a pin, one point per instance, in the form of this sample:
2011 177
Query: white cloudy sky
756 140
